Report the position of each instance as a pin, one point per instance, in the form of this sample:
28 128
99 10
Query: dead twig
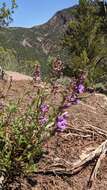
96 129
95 169
83 132
77 135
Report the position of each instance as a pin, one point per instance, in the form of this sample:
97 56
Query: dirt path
18 76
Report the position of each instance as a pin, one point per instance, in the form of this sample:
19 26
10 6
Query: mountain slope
38 42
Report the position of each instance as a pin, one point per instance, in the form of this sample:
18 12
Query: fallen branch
73 168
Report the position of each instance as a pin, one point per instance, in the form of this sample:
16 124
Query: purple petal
81 88
44 108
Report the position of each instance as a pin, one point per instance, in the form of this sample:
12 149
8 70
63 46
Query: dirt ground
69 146
17 76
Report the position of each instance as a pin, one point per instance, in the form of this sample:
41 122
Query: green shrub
22 134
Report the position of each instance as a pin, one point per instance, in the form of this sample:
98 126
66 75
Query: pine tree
85 39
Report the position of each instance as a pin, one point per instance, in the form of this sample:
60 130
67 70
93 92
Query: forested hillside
77 34
36 44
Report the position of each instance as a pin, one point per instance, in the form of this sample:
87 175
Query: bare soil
69 146
17 76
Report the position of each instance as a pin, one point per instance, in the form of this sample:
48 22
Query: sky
35 12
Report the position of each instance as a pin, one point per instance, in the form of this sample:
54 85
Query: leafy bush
22 133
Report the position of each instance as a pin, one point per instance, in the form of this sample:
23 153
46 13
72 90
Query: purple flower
61 126
61 122
66 105
80 88
43 120
77 101
73 99
44 108
65 115
60 118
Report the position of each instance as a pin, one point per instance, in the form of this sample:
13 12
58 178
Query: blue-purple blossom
65 115
61 122
61 126
44 108
66 105
80 88
73 99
